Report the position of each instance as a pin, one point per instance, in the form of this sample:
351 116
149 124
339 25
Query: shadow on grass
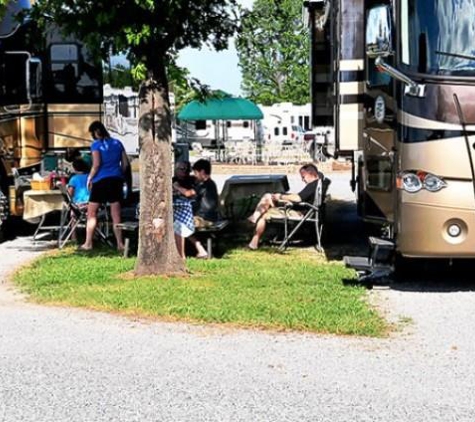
343 234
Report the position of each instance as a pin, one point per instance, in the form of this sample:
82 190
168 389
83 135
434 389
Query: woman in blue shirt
105 181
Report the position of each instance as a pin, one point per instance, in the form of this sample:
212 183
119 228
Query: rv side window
245 124
73 75
64 60
307 123
13 79
378 43
284 131
378 31
375 77
276 131
123 106
200 125
228 124
379 173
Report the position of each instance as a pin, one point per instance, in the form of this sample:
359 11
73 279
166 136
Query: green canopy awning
228 108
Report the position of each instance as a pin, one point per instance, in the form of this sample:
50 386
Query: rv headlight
433 183
411 182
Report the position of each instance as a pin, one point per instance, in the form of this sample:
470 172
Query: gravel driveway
60 364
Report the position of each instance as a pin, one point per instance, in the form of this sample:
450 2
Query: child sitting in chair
77 186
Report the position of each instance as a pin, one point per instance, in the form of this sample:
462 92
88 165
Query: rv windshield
438 36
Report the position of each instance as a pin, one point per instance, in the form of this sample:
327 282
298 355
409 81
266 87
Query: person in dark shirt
205 207
267 206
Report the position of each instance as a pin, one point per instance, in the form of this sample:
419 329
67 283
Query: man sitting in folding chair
300 207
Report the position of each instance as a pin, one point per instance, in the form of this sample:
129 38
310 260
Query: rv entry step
380 251
358 263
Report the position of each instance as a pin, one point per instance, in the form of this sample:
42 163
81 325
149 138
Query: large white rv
121 112
214 133
121 117
286 122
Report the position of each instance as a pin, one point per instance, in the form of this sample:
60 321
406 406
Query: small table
39 203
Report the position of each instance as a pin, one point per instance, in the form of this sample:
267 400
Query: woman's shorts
109 190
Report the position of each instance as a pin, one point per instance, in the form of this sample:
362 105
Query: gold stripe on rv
351 65
422 123
351 88
77 108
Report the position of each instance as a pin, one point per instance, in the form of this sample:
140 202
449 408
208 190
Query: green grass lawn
297 290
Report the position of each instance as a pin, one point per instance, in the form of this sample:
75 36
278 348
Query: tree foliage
119 76
273 51
150 32
181 84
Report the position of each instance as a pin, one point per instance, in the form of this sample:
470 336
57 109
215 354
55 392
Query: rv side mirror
412 88
378 32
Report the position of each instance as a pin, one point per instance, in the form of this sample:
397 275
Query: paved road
61 364
70 365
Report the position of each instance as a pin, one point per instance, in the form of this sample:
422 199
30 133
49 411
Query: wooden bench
129 229
210 233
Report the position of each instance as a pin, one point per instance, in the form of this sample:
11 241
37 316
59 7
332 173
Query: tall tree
273 52
151 32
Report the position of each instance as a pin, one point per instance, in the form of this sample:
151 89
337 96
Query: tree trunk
157 252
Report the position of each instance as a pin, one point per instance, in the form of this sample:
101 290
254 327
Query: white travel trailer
211 133
121 113
286 122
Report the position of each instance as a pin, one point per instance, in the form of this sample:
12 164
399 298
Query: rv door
376 170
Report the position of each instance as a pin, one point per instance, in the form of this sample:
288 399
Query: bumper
423 232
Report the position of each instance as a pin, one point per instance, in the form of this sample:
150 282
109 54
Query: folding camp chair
312 213
74 216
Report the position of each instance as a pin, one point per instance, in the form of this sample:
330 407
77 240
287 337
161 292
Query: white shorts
182 230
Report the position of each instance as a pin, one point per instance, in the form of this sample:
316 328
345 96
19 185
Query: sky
219 70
